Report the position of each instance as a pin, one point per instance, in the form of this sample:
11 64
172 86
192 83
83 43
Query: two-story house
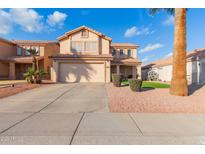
80 55
90 56
15 58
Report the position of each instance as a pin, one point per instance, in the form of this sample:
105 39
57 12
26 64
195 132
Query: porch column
12 75
55 71
118 69
139 71
134 72
107 71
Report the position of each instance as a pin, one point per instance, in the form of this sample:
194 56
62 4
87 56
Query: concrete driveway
79 114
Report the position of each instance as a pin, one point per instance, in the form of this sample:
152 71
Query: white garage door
82 72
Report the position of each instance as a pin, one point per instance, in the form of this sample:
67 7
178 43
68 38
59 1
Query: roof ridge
81 27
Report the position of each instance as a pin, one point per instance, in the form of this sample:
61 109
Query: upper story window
83 46
77 46
129 52
27 53
91 46
121 51
19 51
113 52
84 33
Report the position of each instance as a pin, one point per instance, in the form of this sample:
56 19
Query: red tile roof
75 56
125 61
33 42
19 59
124 45
81 28
168 61
6 41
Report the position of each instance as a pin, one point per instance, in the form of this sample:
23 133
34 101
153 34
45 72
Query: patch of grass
146 84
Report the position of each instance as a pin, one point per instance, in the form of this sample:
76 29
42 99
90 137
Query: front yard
152 99
19 86
147 84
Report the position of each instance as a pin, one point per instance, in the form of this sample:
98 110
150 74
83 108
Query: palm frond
153 11
33 52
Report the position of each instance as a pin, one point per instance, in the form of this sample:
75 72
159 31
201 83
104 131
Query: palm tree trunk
34 63
179 81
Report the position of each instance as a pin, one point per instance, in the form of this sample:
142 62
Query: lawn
148 84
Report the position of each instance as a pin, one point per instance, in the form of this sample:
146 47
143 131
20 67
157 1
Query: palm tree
179 81
34 53
29 75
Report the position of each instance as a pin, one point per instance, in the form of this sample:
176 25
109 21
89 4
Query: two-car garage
95 68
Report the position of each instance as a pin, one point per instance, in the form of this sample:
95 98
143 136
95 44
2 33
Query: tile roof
86 28
126 61
81 56
40 42
6 41
168 61
21 59
124 44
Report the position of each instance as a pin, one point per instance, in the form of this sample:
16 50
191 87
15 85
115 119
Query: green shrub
117 79
135 84
34 76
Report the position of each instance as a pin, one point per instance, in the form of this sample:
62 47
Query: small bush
135 84
34 76
117 79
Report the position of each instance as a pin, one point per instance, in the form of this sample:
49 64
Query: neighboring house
15 59
7 49
80 55
195 67
89 56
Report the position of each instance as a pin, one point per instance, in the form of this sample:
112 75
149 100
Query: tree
34 53
34 74
179 81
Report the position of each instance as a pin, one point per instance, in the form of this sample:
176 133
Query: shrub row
135 84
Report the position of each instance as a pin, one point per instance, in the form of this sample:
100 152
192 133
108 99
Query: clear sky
154 34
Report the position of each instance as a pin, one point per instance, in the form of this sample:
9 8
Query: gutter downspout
198 70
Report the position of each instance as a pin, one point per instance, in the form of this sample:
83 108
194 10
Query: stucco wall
6 50
50 49
165 72
134 53
65 46
202 70
103 45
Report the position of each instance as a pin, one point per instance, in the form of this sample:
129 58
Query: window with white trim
113 52
121 51
27 53
129 52
83 46
91 46
19 51
84 33
77 46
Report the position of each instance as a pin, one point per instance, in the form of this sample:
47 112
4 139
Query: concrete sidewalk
102 128
78 114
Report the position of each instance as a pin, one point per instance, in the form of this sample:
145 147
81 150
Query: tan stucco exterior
49 50
103 45
195 68
98 68
11 65
78 53
7 49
